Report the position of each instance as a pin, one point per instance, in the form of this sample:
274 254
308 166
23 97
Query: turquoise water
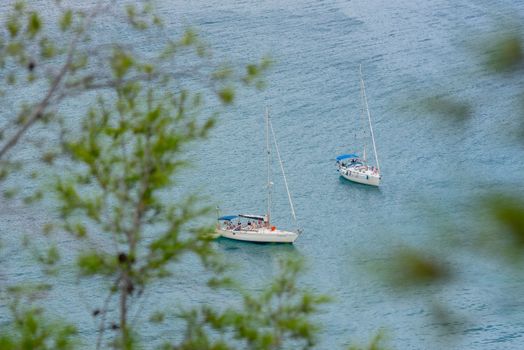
431 165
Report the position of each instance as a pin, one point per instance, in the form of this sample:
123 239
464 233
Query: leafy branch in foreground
115 162
276 318
117 165
53 62
114 196
29 328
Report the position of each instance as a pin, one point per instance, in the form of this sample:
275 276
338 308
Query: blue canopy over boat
228 217
346 156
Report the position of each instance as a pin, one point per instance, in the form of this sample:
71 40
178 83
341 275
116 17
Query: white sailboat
353 167
258 228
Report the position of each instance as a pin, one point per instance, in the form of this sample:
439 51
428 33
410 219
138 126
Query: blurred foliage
31 330
128 149
114 165
504 57
411 268
28 327
276 318
495 230
377 343
502 235
504 53
447 107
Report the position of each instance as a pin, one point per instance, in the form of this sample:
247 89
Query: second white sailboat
352 166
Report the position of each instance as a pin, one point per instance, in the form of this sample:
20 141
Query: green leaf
505 53
121 62
11 192
157 317
148 68
410 268
47 228
79 230
448 107
49 157
15 48
66 20
190 37
94 263
223 73
47 48
252 69
227 95
11 79
131 11
51 257
34 24
19 6
505 231
13 26
157 21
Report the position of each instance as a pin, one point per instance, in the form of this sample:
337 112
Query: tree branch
38 111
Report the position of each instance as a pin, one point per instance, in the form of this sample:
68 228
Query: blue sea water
432 165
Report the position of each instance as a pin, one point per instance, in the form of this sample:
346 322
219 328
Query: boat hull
362 178
260 235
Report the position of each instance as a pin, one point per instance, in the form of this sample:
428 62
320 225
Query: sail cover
255 217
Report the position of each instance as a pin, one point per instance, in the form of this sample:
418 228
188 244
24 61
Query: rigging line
268 150
369 118
283 172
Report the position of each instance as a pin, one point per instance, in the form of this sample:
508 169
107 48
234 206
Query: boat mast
369 116
361 122
268 170
283 174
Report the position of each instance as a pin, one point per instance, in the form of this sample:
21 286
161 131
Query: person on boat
238 227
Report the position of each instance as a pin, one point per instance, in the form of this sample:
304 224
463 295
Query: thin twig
38 111
103 312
